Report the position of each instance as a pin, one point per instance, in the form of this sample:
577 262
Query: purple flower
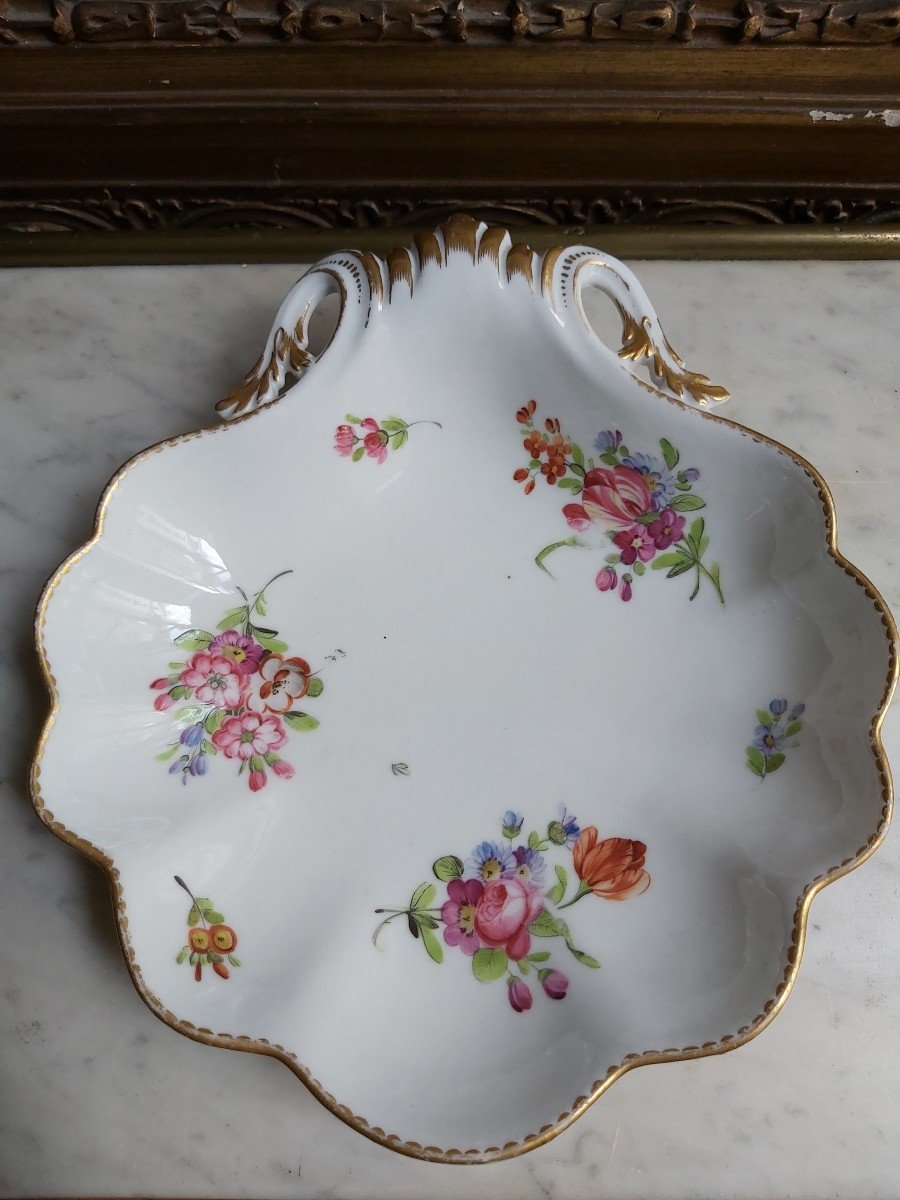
797 711
519 995
179 764
691 475
606 579
658 478
529 865
239 649
636 543
192 735
768 740
199 764
489 860
458 914
512 823
564 830
554 983
666 529
608 439
777 707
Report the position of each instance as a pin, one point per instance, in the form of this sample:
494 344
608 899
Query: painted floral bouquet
499 911
639 501
239 693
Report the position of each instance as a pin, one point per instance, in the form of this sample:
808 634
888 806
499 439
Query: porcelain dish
473 714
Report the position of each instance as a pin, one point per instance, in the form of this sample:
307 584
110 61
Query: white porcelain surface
416 596
636 1108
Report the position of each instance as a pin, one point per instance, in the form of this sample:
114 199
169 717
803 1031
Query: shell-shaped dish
475 721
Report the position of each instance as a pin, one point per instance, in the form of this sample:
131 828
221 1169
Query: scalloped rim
730 1041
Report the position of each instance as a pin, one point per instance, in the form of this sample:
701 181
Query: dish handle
569 272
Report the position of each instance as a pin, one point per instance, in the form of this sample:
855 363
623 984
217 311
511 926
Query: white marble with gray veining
99 1098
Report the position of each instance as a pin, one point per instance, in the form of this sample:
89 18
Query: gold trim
638 343
489 246
460 233
400 269
520 261
629 1062
429 249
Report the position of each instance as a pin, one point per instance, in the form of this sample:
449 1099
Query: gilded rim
465 229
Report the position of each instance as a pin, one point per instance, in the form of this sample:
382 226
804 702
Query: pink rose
249 735
505 909
215 679
618 495
344 439
375 447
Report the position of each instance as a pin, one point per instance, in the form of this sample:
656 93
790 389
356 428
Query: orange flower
612 869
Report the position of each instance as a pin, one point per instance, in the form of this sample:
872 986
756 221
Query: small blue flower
530 865
777 707
512 823
199 764
608 439
657 476
179 764
192 735
691 475
768 740
797 711
564 830
489 860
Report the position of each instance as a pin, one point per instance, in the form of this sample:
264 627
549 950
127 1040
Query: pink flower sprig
373 440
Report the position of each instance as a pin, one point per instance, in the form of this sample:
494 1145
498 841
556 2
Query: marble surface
98 1098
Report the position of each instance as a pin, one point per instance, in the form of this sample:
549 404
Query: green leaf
259 607
685 565
214 918
193 917
577 455
613 559
167 754
702 546
179 667
189 713
213 957
353 419
586 960
204 904
539 956
431 944
765 717
756 761
179 692
534 463
398 440
233 617
574 485
562 875
426 921
234 960
609 458
357 453
638 568
182 954
524 966
301 721
489 964
669 453
556 893
623 451
686 503
447 868
393 424
195 958
793 729
547 550
274 644
775 761
668 560
316 687
696 531
209 747
213 720
546 925
423 895
534 840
